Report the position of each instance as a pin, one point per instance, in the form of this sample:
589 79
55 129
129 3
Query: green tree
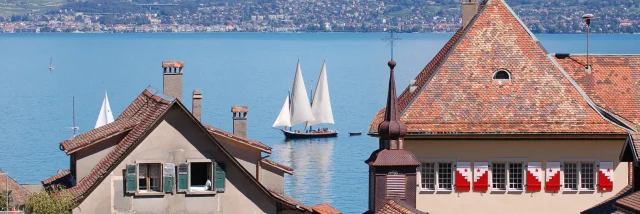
53 201
3 200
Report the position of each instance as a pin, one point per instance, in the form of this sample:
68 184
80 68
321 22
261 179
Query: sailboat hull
295 135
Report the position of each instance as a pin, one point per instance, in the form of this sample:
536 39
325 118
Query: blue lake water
231 69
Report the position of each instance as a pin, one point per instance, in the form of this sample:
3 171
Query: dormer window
501 75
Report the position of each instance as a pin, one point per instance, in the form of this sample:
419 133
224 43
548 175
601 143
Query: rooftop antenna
391 40
74 127
587 18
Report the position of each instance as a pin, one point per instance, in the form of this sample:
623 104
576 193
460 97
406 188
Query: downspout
258 167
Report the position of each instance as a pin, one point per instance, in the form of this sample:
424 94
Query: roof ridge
247 141
283 167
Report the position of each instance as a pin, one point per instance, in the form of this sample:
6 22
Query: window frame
148 192
595 180
495 73
213 180
436 162
507 161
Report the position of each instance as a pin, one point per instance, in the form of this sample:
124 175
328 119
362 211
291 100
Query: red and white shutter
605 175
534 176
553 176
480 176
463 176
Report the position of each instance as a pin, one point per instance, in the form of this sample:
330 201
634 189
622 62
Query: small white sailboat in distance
105 115
51 65
299 110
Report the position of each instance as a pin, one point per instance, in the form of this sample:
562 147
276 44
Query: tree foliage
53 201
3 200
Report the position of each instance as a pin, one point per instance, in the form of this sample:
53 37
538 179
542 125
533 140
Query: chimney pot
240 120
197 104
469 10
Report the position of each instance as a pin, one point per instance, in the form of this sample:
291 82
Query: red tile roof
325 209
630 203
456 93
56 178
246 141
18 193
398 207
392 157
282 167
290 202
97 135
611 75
145 110
607 205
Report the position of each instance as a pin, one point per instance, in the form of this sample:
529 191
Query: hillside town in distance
303 16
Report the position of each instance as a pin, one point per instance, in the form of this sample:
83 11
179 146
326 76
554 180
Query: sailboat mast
75 128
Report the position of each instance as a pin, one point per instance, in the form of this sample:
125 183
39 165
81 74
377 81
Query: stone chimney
469 10
196 107
173 78
240 120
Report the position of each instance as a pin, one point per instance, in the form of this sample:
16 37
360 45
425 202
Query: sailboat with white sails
105 116
297 109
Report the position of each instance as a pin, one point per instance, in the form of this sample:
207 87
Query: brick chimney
173 78
469 10
196 107
240 120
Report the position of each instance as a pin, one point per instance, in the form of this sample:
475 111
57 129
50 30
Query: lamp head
587 18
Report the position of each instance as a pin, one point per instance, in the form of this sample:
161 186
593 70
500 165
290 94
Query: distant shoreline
299 32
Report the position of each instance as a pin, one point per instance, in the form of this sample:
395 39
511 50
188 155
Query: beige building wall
246 155
176 139
527 150
272 178
89 157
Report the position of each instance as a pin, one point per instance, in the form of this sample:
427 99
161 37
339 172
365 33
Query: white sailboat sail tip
105 116
284 118
321 104
300 107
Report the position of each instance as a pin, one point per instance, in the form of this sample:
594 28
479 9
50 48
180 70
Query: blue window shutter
131 179
220 177
183 176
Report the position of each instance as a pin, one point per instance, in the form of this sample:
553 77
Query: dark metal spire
392 128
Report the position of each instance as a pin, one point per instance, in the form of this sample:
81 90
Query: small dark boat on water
300 135
354 133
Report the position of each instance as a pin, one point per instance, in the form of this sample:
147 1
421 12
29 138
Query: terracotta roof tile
18 193
611 74
60 178
325 209
630 202
291 202
252 143
392 157
457 94
94 136
635 138
607 205
282 167
398 207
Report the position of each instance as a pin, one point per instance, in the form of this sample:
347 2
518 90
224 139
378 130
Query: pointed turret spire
392 128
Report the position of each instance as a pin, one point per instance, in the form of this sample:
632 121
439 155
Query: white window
579 175
437 176
507 176
149 177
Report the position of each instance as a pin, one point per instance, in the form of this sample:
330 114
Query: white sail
284 118
300 107
105 115
321 104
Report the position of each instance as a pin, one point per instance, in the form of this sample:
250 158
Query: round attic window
501 75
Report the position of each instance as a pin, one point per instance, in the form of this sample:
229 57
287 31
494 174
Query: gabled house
157 157
498 124
18 196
